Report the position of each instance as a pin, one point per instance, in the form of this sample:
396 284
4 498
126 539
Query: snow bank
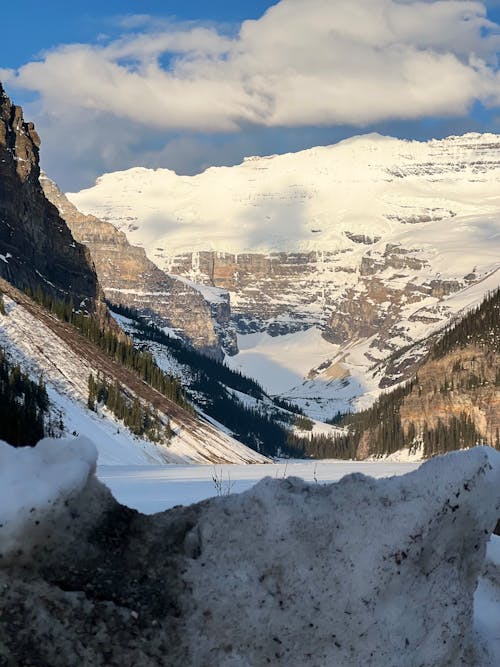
379 573
362 572
36 483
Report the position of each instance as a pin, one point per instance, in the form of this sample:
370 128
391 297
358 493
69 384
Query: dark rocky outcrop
36 246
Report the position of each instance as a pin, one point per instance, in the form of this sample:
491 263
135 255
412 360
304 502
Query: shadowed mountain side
36 246
130 278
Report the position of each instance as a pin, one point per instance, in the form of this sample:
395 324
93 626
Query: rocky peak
36 246
20 138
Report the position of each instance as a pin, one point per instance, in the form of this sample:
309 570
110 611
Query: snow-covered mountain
375 241
313 200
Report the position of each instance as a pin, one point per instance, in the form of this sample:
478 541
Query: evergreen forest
118 347
140 419
24 406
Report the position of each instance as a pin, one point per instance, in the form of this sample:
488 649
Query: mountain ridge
469 150
383 225
36 246
129 278
452 401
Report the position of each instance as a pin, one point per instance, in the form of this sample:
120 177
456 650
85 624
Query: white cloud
7 75
133 21
148 97
304 62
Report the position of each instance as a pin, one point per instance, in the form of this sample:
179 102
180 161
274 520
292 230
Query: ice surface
154 489
280 363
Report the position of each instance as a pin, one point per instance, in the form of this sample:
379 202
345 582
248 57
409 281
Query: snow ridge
303 201
361 572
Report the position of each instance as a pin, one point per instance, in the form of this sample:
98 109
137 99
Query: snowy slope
303 201
28 341
154 490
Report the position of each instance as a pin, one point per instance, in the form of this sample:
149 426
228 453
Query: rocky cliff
128 277
36 246
464 381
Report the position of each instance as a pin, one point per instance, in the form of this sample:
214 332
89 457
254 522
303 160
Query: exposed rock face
445 390
272 292
128 277
285 292
36 246
362 572
388 284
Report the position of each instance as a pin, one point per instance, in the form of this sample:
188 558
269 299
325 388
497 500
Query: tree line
140 419
480 327
119 348
24 406
189 356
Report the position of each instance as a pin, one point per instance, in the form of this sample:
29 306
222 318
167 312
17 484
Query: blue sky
186 85
36 25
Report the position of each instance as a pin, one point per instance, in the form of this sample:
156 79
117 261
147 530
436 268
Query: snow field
274 203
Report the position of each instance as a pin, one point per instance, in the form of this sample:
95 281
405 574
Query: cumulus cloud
152 95
303 62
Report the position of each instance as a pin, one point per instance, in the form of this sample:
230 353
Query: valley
312 326
364 243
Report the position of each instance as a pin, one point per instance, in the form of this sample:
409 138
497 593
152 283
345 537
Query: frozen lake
152 489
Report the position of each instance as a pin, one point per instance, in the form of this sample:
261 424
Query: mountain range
57 329
273 296
376 242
